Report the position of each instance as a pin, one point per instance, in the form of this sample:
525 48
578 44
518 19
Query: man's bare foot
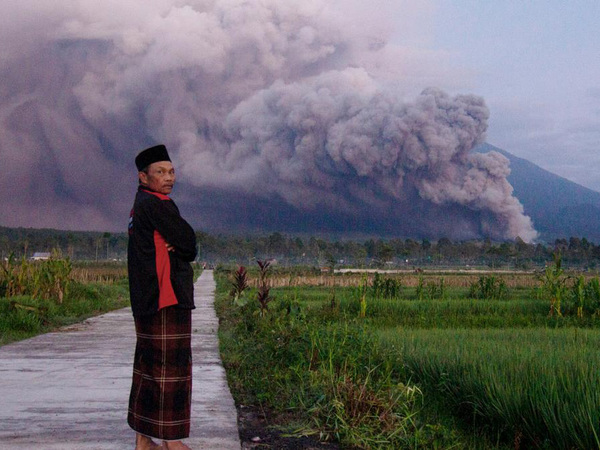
175 445
145 443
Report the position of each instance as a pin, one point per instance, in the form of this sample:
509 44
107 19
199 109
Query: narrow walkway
69 389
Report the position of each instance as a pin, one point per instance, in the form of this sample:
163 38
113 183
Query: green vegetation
77 245
386 287
422 361
40 279
329 373
539 386
37 297
489 287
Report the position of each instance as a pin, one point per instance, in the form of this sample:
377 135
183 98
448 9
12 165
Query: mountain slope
557 206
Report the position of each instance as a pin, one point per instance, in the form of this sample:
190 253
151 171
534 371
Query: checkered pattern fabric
161 391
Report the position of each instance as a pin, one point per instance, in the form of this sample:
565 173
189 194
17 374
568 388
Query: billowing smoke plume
279 115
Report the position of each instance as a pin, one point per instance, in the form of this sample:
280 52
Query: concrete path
69 390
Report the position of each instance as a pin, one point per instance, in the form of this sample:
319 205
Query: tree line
76 245
396 252
311 250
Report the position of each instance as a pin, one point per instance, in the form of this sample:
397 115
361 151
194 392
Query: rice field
504 364
539 385
409 278
99 272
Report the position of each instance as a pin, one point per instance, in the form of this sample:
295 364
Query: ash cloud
278 115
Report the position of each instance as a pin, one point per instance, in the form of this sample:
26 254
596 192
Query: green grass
538 384
23 317
450 313
481 373
330 370
456 311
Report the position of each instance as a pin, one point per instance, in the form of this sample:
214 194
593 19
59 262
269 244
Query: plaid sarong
161 391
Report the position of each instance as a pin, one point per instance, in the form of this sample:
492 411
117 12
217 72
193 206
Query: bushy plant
420 288
592 295
554 285
435 290
583 298
388 288
354 399
488 287
41 279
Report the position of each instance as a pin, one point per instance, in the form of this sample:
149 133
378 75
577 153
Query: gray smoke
281 108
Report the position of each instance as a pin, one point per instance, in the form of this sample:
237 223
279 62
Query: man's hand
170 248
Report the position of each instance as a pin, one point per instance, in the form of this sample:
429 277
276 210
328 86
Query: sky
537 64
332 115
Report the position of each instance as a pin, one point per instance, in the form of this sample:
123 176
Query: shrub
488 287
583 298
40 279
388 288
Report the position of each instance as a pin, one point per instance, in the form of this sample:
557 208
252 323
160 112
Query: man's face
160 177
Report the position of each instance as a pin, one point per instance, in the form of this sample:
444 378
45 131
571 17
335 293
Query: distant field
462 279
490 360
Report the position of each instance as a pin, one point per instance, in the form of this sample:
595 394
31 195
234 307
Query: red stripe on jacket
166 294
158 194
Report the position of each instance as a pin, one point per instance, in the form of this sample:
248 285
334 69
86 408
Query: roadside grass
451 371
90 289
22 317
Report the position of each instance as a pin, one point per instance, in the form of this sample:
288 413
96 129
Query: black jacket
157 277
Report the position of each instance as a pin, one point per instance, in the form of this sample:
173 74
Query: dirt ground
258 430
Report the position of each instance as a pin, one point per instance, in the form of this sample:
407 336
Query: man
161 247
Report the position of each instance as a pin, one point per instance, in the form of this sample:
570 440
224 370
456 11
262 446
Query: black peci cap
151 155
